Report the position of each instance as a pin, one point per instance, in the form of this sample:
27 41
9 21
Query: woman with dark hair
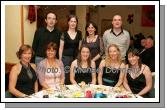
111 69
22 78
94 42
83 68
50 70
69 44
138 78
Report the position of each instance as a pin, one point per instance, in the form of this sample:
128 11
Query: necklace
90 40
135 72
29 73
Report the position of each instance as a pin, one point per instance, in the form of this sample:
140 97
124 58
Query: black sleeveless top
137 84
83 74
25 82
110 76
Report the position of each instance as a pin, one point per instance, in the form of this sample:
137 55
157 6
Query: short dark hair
49 13
22 49
150 37
93 24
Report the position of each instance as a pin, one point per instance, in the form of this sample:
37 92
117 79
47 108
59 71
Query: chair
152 91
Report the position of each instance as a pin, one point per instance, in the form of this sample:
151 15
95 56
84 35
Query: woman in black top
94 42
69 44
23 79
83 69
111 68
138 79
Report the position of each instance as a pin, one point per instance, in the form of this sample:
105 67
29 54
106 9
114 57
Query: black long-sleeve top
42 38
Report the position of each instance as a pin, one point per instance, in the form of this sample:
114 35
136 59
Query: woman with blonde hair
111 68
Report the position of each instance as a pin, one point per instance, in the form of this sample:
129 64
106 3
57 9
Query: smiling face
117 21
149 43
51 20
72 23
133 59
113 53
50 53
85 53
91 29
26 56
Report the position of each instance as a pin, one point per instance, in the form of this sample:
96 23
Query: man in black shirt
44 35
148 53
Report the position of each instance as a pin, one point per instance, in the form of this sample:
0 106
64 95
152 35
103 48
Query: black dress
25 82
110 76
83 74
137 84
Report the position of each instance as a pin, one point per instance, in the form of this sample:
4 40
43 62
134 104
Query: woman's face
91 29
85 53
113 53
72 23
133 59
51 53
26 56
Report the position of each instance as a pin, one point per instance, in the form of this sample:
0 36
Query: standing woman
94 42
83 68
22 78
138 78
70 43
50 70
111 69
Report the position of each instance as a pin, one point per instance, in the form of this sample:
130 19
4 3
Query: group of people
67 58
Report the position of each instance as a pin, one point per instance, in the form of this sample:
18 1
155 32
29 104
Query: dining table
87 91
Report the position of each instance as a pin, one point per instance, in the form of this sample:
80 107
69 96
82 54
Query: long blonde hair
108 59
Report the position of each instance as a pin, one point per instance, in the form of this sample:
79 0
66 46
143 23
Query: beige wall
29 29
13 31
81 14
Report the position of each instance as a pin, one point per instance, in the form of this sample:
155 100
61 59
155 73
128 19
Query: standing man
117 35
43 36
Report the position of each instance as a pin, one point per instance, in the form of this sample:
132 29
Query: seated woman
111 68
22 78
50 70
83 69
138 78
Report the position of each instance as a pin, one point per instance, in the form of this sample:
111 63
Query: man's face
117 21
51 20
149 43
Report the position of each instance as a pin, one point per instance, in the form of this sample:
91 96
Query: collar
48 30
115 33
